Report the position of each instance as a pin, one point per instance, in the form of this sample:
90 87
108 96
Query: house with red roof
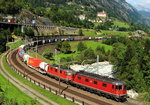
102 14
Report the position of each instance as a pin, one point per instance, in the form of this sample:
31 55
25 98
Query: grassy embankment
117 33
104 33
11 91
13 45
91 32
121 24
44 92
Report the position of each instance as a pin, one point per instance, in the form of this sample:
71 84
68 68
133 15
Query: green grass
121 24
93 33
96 24
63 58
16 44
94 45
51 96
146 37
119 33
91 44
142 97
89 32
13 92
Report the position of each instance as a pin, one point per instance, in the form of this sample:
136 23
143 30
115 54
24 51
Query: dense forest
4 37
10 6
131 60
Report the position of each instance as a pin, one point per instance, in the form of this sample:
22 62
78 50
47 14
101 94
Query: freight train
104 86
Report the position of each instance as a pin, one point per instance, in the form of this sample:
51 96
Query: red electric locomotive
65 74
109 87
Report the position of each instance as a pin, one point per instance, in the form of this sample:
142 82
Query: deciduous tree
81 46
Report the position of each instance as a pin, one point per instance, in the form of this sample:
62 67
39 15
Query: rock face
132 94
26 17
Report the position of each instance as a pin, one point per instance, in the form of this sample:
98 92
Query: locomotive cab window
79 78
95 82
60 71
113 86
104 85
125 87
86 80
119 87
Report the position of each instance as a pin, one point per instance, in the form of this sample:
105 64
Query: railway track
86 97
33 94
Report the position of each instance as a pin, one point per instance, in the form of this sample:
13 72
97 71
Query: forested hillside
66 11
10 6
131 60
115 8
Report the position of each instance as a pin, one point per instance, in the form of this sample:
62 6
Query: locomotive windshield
119 87
125 87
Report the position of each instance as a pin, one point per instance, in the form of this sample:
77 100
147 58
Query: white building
102 14
81 17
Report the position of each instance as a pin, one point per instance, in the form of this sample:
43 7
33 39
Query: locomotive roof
101 78
62 68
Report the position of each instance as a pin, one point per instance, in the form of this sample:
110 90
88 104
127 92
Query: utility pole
97 58
35 27
59 74
6 42
36 49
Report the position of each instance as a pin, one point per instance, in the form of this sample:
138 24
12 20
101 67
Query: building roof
102 13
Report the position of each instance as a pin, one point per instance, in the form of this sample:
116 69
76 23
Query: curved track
87 97
25 89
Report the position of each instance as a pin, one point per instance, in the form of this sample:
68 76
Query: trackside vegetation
13 45
11 95
44 92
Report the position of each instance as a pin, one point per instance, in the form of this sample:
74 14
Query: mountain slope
145 13
115 8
